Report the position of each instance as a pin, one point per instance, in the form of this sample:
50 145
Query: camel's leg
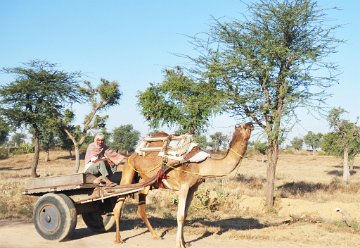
126 178
183 193
189 199
142 211
117 215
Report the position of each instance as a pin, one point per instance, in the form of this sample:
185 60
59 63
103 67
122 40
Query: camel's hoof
157 237
120 241
185 245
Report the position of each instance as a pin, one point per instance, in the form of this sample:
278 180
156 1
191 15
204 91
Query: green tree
343 141
47 141
17 139
180 101
218 139
313 140
37 97
260 147
297 143
105 95
268 64
4 131
201 141
125 138
64 142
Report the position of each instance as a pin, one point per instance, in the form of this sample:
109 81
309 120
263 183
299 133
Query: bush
24 149
3 153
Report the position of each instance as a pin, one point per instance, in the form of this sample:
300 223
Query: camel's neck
226 165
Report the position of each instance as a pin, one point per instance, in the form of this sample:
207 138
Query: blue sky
132 42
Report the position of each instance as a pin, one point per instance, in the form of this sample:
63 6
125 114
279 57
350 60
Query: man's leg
98 168
101 168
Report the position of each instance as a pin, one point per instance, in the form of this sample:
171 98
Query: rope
239 155
133 167
190 172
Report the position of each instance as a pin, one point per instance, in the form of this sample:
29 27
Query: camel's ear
250 125
238 125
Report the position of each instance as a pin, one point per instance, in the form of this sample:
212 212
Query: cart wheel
55 216
98 222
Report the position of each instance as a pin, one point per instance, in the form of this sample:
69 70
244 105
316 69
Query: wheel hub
49 218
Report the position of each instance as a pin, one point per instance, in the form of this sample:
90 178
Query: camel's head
244 130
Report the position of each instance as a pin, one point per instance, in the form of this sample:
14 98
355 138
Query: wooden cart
62 198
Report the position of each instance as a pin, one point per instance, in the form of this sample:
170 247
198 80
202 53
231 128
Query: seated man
101 160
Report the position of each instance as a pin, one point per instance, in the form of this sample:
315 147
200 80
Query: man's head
99 139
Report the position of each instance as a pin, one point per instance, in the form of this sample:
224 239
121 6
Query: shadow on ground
168 224
10 168
339 173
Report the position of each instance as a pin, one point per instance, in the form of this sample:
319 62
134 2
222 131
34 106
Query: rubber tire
55 216
102 220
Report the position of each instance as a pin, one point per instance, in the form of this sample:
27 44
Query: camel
184 178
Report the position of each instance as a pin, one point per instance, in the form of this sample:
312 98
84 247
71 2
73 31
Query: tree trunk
272 156
47 156
36 156
70 154
346 171
77 159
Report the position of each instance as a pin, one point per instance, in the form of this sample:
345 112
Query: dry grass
13 173
308 189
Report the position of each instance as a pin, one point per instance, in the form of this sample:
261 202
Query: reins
174 167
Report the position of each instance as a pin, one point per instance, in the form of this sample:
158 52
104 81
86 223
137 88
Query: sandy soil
23 235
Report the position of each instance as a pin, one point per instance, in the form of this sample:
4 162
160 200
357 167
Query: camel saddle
180 148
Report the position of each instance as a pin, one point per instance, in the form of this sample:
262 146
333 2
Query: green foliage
330 145
297 143
260 147
180 101
38 95
3 153
17 139
4 131
313 140
346 135
267 65
211 200
218 140
24 148
201 141
125 138
109 92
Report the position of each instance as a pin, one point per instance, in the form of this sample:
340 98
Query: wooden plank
57 189
102 194
55 181
151 149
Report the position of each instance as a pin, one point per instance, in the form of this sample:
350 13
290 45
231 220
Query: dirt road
23 235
